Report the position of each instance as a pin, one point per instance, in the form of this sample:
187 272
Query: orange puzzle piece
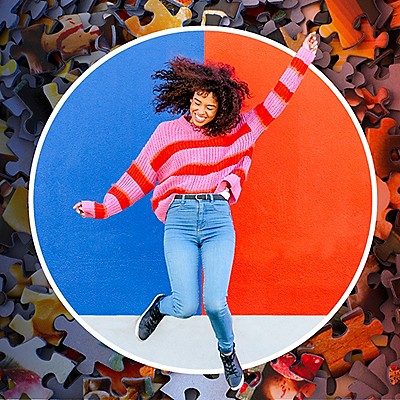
364 49
384 147
395 22
47 308
162 19
344 14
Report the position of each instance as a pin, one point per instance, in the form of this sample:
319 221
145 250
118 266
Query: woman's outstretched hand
311 42
78 208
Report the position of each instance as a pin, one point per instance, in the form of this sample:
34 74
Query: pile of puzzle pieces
44 47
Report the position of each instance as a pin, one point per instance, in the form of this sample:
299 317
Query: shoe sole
141 317
240 384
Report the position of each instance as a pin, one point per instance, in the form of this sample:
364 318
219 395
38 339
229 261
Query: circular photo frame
304 221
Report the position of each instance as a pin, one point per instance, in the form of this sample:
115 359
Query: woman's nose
202 110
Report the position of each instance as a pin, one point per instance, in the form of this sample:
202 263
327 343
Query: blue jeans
200 230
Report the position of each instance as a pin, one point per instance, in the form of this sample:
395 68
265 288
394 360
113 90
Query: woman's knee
185 310
215 307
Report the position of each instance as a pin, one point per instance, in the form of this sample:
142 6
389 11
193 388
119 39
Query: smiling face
203 108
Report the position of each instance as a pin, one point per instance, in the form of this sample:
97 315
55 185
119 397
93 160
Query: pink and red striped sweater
179 159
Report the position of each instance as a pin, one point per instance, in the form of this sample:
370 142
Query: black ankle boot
233 371
149 320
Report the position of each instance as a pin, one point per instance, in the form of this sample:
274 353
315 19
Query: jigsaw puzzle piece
392 282
24 150
385 12
376 377
393 184
162 19
83 342
8 16
198 10
309 12
6 305
367 383
31 49
369 297
52 94
344 16
252 380
131 370
375 104
9 69
297 13
208 388
294 44
36 8
298 370
365 49
72 40
341 388
5 153
357 337
391 311
101 388
47 308
67 390
6 269
395 21
226 13
390 82
23 383
25 356
383 144
34 99
323 57
16 213
275 386
341 79
20 280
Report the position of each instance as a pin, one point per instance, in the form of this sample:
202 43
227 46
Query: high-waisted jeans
200 230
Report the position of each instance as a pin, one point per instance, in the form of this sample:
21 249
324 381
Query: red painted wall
303 218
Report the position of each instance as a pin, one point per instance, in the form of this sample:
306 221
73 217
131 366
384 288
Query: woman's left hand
311 42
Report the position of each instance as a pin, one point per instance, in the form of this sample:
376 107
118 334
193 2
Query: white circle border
65 97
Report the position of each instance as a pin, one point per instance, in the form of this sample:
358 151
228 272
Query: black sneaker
149 320
233 371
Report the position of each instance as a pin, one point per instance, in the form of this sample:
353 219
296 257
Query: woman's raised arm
264 113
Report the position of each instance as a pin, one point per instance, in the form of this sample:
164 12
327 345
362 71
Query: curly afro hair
184 77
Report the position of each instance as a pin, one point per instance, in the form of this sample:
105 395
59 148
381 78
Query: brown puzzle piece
367 297
391 82
357 337
383 227
387 251
72 40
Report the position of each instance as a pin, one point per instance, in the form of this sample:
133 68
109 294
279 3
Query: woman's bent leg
182 258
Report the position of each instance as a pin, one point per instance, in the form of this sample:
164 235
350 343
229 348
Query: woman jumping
197 165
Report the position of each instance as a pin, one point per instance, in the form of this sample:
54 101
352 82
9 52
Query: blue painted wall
113 266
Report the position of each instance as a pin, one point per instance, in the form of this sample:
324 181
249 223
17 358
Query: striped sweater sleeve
264 113
138 180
